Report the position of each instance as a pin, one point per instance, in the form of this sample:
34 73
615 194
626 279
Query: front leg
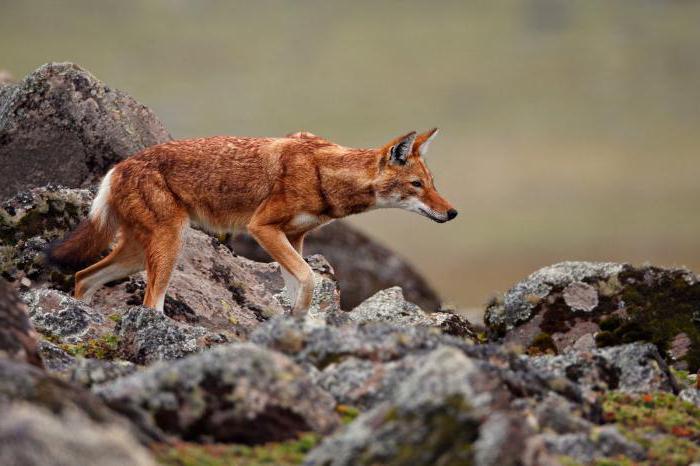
298 276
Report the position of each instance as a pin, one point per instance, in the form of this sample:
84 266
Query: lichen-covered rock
362 266
560 306
32 436
65 319
631 368
18 340
364 383
56 359
321 346
585 448
29 221
89 372
21 382
62 125
390 306
146 335
435 417
234 393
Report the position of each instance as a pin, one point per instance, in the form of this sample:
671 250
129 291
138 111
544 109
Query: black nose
452 213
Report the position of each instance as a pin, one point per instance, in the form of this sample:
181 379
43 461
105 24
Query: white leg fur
160 305
106 275
291 285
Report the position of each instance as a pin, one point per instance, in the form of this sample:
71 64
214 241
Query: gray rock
235 393
18 339
62 125
362 266
601 442
89 372
56 359
29 221
434 417
21 382
321 346
363 383
568 304
390 306
558 414
66 319
691 395
520 301
32 436
146 335
632 368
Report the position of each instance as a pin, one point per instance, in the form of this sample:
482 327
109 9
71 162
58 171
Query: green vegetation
278 454
347 413
104 347
667 427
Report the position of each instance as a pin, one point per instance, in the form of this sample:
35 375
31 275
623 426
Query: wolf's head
405 182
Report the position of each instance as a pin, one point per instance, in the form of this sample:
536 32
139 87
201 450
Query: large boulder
362 265
235 393
586 304
18 339
60 124
447 412
31 436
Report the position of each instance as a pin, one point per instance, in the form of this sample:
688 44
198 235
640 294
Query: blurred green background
570 128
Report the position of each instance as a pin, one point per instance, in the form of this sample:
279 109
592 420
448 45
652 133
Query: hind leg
161 254
125 259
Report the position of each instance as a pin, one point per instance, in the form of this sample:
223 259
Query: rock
146 335
390 306
437 416
62 125
31 436
22 383
363 383
631 368
235 393
691 395
29 221
362 266
558 306
376 341
65 319
601 442
56 359
557 414
89 372
18 340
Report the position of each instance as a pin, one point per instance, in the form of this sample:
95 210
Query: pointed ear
423 140
400 148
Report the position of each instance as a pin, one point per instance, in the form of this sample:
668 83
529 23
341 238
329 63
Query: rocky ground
579 363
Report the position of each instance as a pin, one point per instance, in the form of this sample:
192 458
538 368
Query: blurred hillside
570 129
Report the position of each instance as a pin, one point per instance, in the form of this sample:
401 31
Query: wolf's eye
416 184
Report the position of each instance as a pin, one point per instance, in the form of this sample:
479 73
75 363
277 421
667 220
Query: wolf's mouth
431 216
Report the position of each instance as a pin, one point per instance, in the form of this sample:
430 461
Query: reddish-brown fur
262 184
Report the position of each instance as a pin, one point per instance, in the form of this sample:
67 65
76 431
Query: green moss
667 427
281 454
542 344
116 318
657 311
104 347
347 413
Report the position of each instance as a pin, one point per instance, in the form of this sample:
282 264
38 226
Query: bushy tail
94 234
